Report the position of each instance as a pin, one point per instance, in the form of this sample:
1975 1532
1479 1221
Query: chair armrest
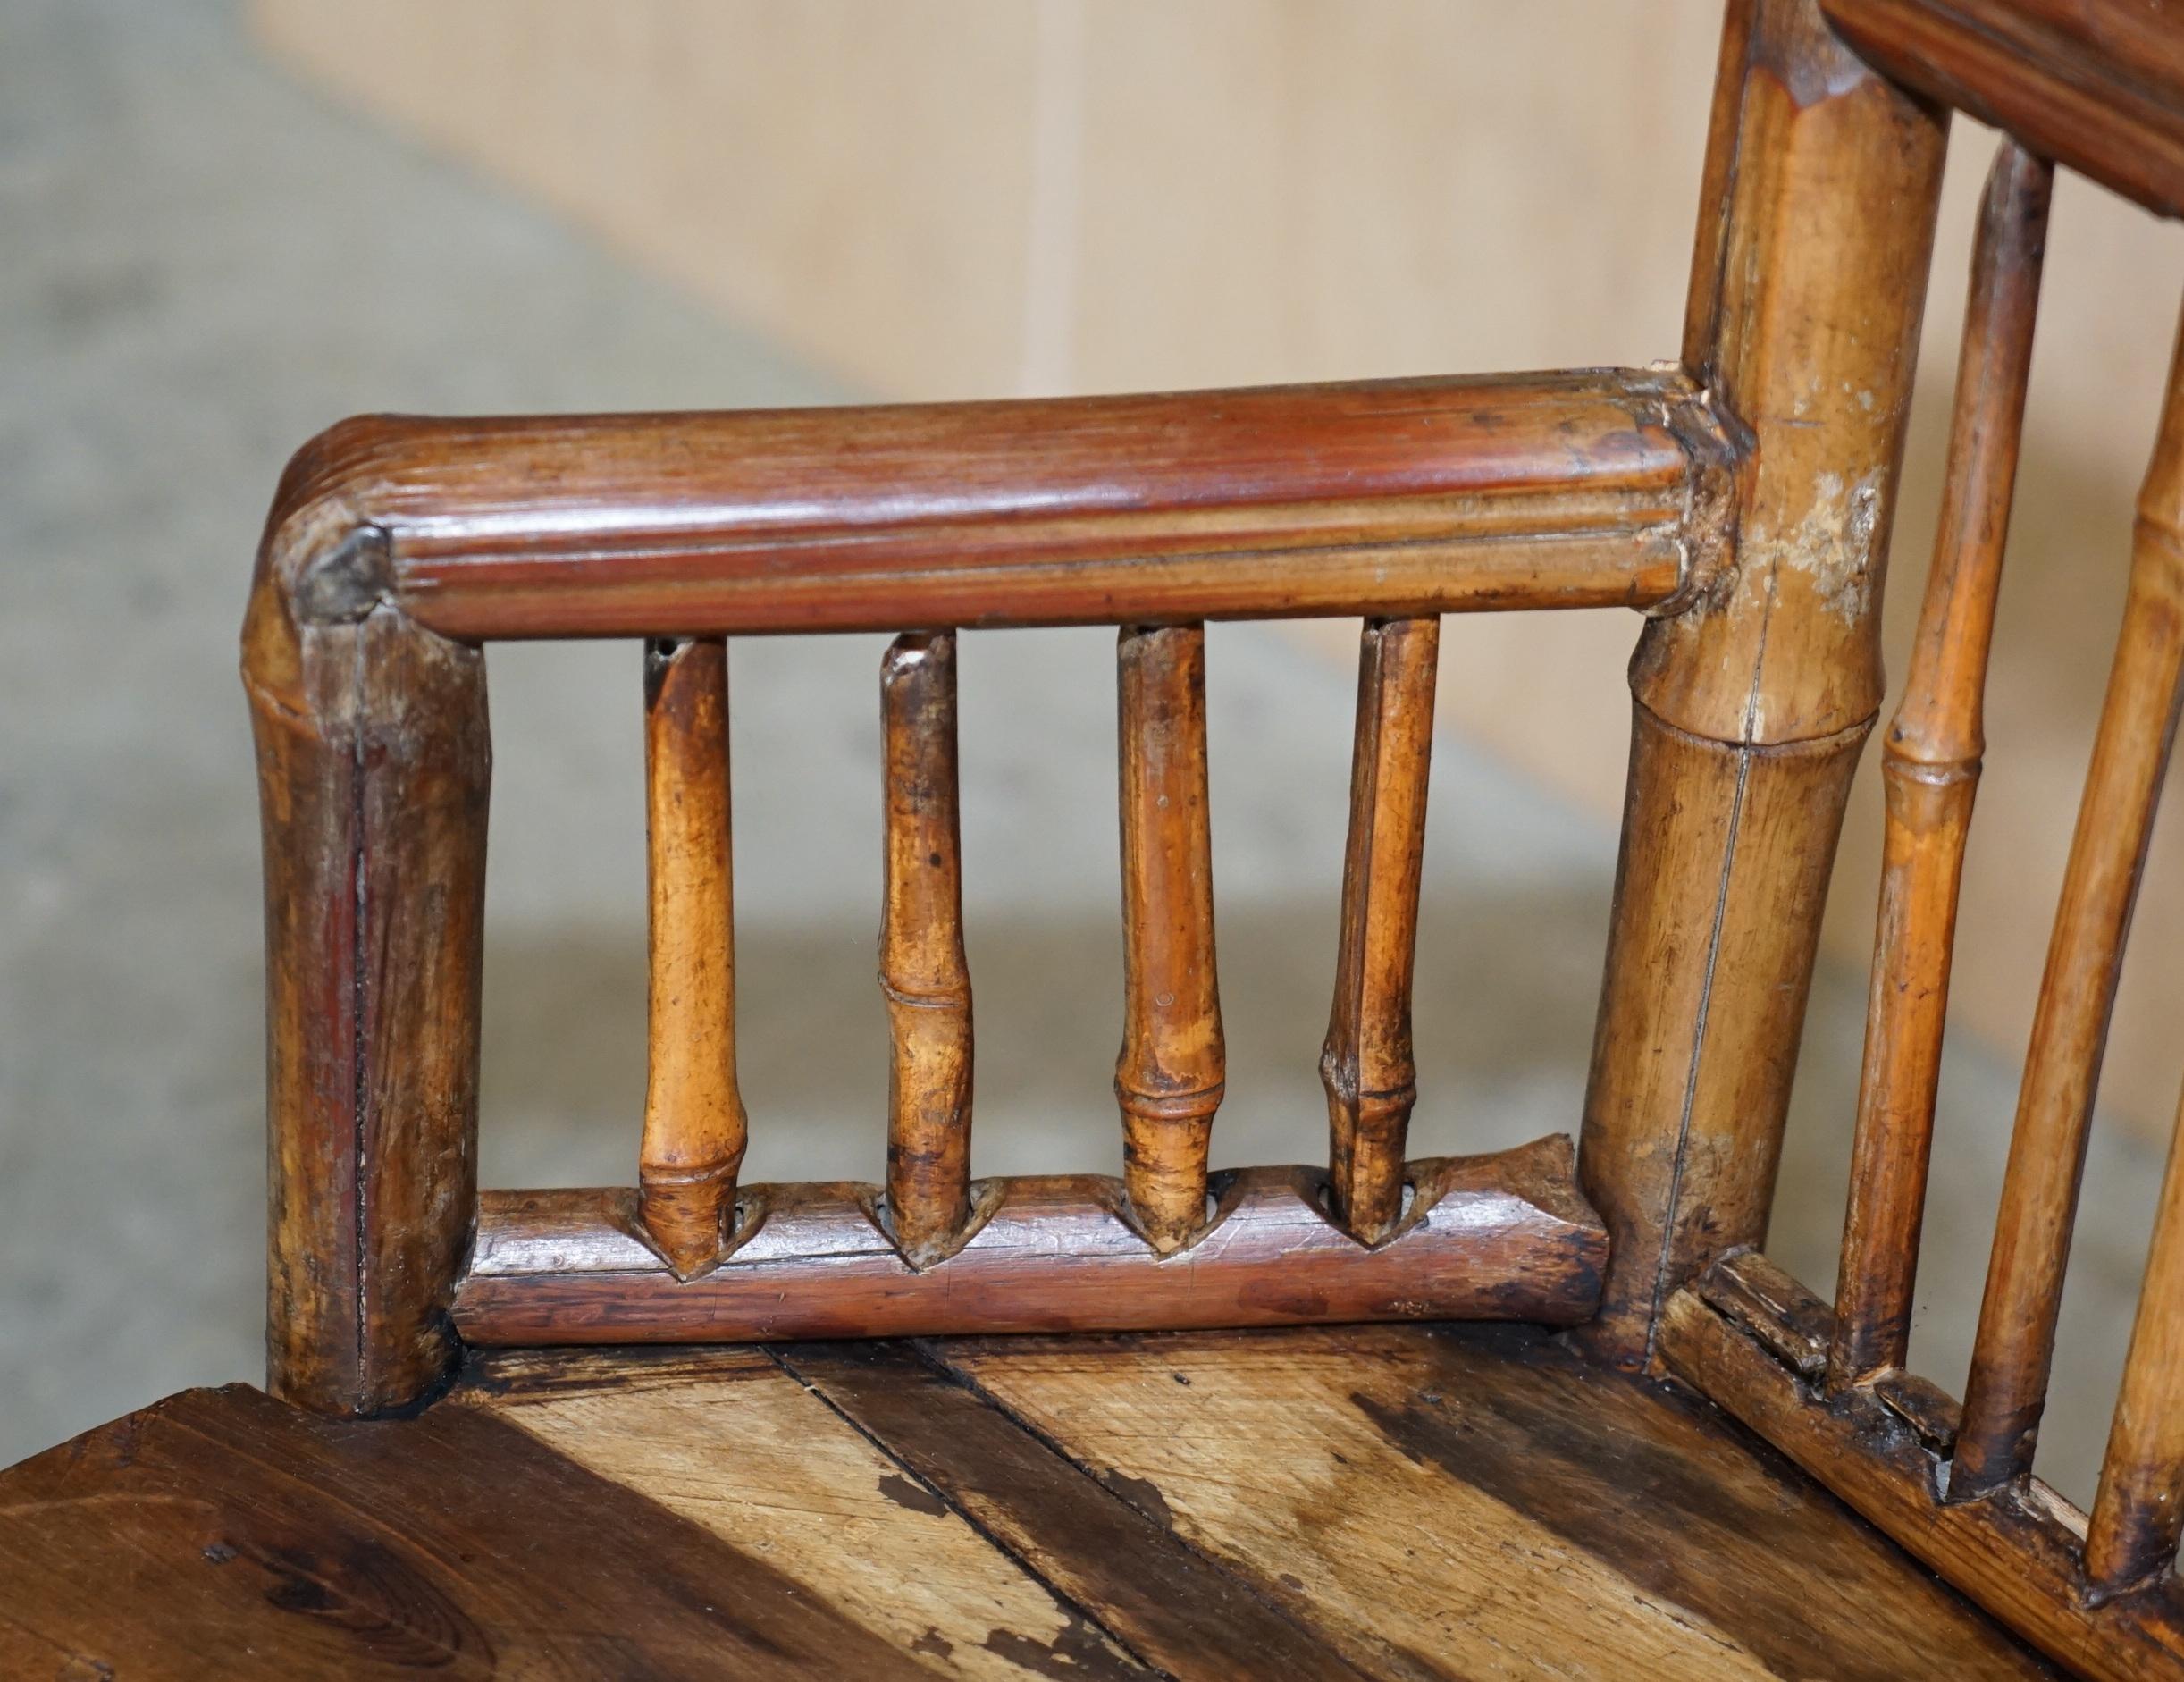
1571 489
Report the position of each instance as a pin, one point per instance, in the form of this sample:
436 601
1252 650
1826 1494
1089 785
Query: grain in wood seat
1390 1501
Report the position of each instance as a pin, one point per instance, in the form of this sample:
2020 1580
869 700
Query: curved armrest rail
1586 489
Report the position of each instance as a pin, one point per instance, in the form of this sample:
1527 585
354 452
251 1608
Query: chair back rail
2095 84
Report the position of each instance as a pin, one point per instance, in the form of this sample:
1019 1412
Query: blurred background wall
999 197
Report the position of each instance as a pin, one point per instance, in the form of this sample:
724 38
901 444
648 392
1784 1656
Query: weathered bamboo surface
1752 1341
694 1128
1366 1065
2015 1345
2095 84
1502 1236
373 768
1557 490
1171 1074
1751 704
1930 770
922 971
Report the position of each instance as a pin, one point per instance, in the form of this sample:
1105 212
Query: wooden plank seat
1387 1501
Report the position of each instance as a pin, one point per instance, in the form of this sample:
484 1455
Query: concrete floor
202 266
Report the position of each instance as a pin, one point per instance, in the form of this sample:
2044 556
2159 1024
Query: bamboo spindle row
2014 1348
1170 1076
1930 770
695 1129
1367 1066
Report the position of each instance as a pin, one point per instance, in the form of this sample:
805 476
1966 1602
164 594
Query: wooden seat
1383 1502
1240 1430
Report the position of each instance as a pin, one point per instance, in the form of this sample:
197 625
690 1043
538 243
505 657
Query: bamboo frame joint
1717 445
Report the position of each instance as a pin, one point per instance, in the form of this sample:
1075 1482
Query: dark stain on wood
916 1497
237 1537
933 1643
1078 1652
1141 1492
1107 1549
1627 1469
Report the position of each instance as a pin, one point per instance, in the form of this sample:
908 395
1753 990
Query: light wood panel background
995 196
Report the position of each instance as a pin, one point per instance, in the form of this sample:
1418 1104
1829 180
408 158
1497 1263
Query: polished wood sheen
1931 769
1170 1074
2015 1346
2095 84
695 1129
1498 1236
922 971
1589 489
1366 1065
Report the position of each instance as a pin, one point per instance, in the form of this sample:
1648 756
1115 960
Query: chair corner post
373 763
1751 701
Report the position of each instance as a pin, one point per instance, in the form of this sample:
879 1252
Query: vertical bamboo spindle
693 1116
1366 1065
1169 1077
921 968
2016 1342
1931 769
2139 1511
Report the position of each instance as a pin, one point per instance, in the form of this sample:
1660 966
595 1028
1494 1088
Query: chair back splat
1740 499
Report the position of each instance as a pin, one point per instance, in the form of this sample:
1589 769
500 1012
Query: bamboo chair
1261 1425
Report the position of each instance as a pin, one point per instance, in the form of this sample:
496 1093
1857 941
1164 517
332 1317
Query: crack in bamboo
694 1127
2015 1347
923 975
1930 770
1366 1065
1169 1077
